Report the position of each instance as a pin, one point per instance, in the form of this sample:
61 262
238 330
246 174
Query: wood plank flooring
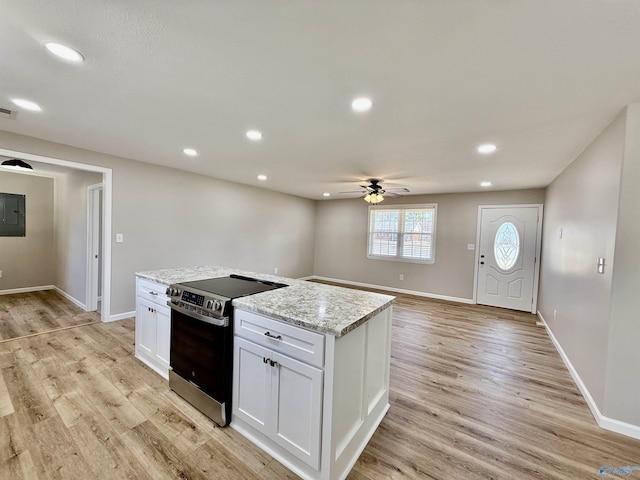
476 393
34 313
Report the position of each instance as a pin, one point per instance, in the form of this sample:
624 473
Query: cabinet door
252 384
145 328
296 397
163 335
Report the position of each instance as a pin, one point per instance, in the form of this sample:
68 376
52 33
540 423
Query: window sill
400 259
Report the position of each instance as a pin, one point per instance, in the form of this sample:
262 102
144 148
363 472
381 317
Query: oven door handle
218 322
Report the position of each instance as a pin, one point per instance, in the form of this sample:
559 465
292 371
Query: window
12 215
506 246
402 232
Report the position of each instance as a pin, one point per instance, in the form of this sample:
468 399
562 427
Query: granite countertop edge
325 313
336 332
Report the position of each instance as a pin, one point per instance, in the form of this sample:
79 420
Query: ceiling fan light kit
373 198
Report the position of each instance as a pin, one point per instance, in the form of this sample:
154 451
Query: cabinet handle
275 337
273 363
155 294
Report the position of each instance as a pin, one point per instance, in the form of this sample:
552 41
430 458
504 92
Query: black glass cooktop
233 286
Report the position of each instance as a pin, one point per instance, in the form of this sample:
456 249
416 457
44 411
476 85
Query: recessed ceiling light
361 104
485 184
487 148
262 177
27 104
190 151
326 194
254 135
64 52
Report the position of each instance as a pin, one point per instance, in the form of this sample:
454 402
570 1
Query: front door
508 248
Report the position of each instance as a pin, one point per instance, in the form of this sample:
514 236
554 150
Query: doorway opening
107 189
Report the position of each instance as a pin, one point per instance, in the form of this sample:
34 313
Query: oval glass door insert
506 246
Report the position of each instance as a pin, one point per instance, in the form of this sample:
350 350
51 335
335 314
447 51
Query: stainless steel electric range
202 340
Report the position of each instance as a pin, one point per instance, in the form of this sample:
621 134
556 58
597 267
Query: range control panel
202 303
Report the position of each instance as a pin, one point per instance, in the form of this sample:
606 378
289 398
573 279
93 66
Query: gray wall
341 242
71 231
583 202
234 225
172 219
623 377
29 261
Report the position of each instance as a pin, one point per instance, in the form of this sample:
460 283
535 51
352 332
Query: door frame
94 212
107 192
536 266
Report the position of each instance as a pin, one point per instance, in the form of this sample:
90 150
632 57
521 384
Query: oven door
202 354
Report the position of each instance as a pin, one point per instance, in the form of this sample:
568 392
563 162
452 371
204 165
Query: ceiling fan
374 192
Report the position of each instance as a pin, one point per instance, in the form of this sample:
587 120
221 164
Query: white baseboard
120 316
603 421
73 300
26 289
392 289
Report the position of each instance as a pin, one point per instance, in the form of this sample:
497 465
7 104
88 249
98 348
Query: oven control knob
217 305
209 304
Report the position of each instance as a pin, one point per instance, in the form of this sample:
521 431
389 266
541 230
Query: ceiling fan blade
392 194
399 189
353 191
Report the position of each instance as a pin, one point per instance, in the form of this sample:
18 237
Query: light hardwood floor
33 313
476 392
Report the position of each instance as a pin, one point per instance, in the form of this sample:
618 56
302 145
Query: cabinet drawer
153 292
278 336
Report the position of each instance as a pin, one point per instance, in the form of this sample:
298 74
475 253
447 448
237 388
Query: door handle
481 263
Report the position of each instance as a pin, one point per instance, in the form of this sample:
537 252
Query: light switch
119 237
600 265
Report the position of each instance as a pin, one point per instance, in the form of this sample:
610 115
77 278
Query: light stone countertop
323 308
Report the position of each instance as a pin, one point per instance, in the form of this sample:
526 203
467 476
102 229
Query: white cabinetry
277 383
153 325
280 397
312 401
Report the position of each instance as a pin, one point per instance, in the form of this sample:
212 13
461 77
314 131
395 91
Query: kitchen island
311 367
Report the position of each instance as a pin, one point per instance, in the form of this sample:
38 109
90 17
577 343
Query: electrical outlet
555 315
471 246
119 237
0 273
401 277
275 270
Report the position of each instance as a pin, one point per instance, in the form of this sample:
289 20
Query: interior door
94 245
507 256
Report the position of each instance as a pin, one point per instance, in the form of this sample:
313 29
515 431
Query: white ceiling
540 78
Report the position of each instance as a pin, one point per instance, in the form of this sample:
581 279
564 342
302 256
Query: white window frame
401 210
